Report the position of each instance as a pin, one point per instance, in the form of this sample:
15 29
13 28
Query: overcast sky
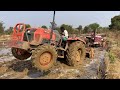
74 18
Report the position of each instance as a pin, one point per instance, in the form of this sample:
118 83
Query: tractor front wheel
44 57
20 54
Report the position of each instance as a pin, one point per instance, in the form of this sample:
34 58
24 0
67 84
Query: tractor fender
76 39
81 40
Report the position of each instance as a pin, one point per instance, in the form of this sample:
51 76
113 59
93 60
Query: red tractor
96 40
45 46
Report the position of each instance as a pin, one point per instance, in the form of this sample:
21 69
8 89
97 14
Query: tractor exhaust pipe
53 25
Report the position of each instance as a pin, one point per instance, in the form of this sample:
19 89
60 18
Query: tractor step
60 48
60 56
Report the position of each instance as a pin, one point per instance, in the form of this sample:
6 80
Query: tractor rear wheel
20 54
76 53
44 57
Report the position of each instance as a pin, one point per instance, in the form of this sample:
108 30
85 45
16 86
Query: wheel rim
78 55
45 58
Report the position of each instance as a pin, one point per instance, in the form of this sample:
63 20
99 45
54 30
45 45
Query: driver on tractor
64 34
64 37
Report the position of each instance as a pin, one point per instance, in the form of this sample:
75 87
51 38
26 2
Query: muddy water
5 52
92 69
5 55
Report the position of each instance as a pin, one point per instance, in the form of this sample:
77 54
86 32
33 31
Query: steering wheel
19 27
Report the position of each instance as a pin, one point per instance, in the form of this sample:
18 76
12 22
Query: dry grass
4 37
113 38
3 69
113 69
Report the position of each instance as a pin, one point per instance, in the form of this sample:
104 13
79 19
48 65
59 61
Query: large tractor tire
20 54
76 53
44 57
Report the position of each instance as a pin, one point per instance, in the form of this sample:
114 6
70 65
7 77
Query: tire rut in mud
20 69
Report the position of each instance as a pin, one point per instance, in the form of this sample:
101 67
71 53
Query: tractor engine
37 36
26 38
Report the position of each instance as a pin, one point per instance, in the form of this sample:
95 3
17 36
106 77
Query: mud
11 68
5 55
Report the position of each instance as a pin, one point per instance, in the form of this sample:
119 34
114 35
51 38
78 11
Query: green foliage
69 28
91 27
80 29
58 28
112 57
115 23
1 27
45 27
9 30
103 29
94 26
27 26
86 29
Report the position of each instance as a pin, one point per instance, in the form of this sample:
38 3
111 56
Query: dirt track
11 68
